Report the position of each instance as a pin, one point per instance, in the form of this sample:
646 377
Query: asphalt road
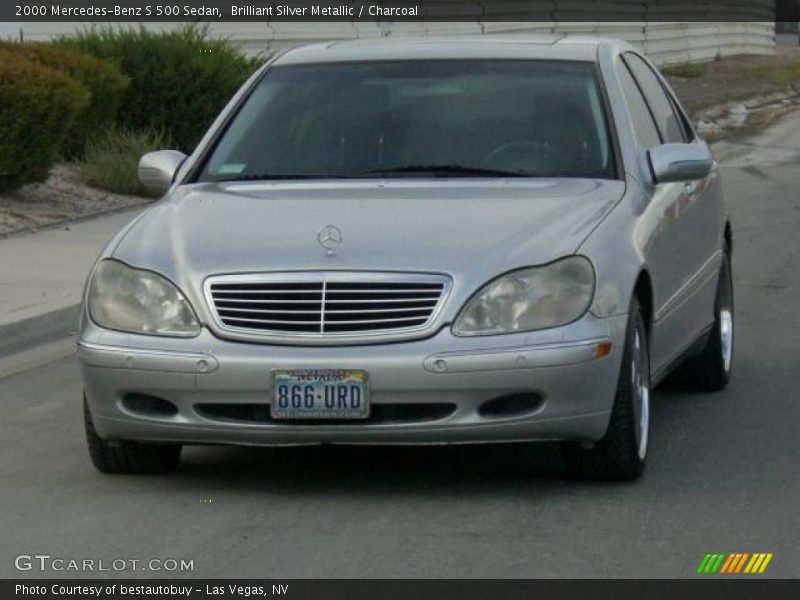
723 473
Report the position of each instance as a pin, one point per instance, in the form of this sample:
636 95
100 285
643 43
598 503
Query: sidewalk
42 276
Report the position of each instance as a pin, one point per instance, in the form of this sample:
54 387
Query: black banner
393 10
336 589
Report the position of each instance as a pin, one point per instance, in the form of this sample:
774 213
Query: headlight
127 299
529 299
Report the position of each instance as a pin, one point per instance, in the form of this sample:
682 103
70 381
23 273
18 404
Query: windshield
448 118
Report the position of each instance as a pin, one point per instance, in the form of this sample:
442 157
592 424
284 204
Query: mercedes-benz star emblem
330 238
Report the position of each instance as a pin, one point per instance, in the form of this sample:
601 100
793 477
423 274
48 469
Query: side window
668 121
643 124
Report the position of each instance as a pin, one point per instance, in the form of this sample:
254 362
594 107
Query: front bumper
575 389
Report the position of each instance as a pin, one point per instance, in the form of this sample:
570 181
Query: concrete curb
35 331
79 219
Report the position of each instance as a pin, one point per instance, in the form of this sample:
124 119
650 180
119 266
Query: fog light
149 406
511 405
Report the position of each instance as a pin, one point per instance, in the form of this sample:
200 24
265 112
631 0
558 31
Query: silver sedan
427 241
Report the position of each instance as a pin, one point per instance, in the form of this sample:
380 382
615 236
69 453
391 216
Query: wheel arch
643 292
728 236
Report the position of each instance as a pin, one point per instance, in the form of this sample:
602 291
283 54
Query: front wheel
620 455
128 457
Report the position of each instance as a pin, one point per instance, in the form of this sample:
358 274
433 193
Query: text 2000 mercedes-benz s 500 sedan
402 242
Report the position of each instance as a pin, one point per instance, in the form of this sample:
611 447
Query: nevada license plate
319 394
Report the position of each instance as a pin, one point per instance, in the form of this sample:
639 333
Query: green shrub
179 80
111 160
38 106
103 80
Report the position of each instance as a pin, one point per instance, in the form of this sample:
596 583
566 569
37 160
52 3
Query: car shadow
375 469
681 384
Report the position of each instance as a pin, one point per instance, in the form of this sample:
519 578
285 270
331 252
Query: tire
128 457
621 454
710 371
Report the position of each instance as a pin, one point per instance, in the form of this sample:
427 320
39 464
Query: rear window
418 118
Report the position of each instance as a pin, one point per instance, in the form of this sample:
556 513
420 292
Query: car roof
577 48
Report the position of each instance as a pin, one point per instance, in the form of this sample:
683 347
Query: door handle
689 188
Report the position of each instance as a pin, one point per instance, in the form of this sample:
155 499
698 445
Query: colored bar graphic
741 562
703 563
710 563
751 564
717 563
727 565
734 562
737 558
765 563
757 564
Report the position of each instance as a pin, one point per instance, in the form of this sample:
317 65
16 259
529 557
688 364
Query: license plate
319 394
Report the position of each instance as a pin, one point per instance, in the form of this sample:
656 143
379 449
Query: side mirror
157 169
680 162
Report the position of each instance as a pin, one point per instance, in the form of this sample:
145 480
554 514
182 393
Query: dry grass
111 161
782 74
734 78
688 70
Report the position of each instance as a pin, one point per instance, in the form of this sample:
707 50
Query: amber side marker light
602 349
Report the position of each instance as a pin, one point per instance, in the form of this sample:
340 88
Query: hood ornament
330 238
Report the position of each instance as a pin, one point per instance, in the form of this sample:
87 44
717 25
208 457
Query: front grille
326 304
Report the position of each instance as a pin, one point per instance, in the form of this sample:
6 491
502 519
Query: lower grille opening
149 406
510 404
379 413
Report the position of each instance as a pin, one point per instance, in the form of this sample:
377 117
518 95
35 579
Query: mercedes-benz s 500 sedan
410 242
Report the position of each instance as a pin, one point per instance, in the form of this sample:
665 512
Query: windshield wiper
442 170
450 170
276 176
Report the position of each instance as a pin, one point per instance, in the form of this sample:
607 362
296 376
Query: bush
180 79
111 160
103 80
38 106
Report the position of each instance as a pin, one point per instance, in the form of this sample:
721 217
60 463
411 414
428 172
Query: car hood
472 230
